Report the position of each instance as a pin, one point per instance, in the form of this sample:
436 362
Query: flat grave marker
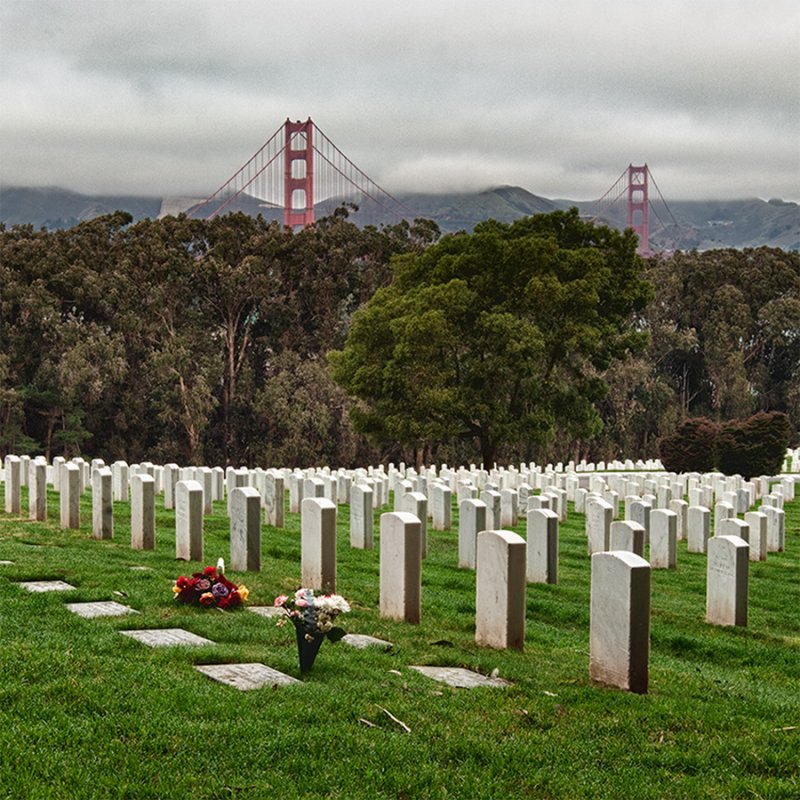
361 641
246 677
107 608
167 637
460 678
46 586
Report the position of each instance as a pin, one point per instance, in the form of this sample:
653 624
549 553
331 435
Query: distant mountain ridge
700 224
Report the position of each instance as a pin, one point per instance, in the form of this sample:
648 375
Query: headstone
312 487
491 498
757 523
318 544
205 479
663 539
619 636
500 590
698 526
24 466
13 485
638 510
471 521
245 504
362 520
120 477
681 508
722 510
37 491
170 479
735 527
542 549
143 512
509 500
727 581
274 511
189 521
400 567
401 487
236 479
543 501
102 504
776 528
599 514
70 500
441 502
627 535
416 503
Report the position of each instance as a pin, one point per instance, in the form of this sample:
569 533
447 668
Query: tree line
235 340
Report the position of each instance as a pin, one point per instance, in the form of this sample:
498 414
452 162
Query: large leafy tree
726 331
499 336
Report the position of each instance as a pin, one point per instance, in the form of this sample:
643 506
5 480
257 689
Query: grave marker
471 521
698 526
400 567
102 504
318 544
189 521
627 535
362 520
727 581
37 491
70 499
500 590
619 636
245 504
542 549
663 539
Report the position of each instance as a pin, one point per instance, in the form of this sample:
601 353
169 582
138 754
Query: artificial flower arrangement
210 588
313 614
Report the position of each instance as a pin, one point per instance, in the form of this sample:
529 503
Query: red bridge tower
638 206
298 178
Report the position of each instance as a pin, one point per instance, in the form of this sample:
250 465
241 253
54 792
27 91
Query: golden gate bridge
299 168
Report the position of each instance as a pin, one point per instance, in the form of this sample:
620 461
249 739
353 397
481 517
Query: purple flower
219 590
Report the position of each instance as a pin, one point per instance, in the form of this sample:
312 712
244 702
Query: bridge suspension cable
295 171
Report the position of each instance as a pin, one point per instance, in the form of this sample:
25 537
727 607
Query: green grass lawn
89 713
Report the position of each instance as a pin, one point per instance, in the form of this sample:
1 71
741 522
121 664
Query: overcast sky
557 96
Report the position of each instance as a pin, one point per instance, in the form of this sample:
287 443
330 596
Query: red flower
210 572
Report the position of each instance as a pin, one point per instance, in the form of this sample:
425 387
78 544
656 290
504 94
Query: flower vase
307 650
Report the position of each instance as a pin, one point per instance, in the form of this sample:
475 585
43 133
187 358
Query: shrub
755 446
691 447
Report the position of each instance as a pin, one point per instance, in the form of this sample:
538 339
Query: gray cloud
171 97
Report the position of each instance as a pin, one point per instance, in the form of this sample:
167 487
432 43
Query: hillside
700 225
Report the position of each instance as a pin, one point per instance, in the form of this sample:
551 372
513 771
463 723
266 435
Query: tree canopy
205 341
500 336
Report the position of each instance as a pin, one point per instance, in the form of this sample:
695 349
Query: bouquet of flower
210 588
313 614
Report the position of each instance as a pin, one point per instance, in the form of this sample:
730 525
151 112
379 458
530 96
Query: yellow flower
244 593
176 589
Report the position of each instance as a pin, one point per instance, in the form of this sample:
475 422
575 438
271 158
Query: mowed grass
89 713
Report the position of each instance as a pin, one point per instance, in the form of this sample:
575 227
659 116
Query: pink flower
280 600
300 603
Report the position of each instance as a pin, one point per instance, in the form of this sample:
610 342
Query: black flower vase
307 650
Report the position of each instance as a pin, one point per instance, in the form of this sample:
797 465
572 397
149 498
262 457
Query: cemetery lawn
89 713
